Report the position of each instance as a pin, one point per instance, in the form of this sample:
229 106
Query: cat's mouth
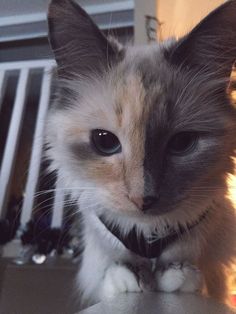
153 245
157 208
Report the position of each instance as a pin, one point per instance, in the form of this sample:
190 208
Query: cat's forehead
144 64
126 94
144 87
140 85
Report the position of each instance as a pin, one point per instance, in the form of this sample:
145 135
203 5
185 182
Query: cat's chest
140 250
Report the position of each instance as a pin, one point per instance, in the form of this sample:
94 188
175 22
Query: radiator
24 70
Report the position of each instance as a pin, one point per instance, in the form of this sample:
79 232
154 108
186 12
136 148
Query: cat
144 138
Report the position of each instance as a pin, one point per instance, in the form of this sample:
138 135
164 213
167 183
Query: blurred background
39 236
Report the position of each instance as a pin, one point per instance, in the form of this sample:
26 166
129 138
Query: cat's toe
170 280
193 279
179 277
119 279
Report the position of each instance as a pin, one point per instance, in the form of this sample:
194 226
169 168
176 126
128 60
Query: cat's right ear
210 48
80 48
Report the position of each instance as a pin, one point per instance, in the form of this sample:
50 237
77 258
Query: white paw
118 279
180 277
170 279
193 279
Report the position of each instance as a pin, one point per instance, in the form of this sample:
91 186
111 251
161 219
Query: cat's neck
153 245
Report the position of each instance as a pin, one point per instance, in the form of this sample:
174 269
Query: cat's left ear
210 48
80 48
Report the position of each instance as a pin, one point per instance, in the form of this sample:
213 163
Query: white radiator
25 68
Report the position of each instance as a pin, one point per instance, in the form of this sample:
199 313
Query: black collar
146 246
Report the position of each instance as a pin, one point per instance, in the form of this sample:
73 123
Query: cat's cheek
104 172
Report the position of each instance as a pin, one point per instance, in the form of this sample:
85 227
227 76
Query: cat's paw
119 279
193 280
179 277
170 279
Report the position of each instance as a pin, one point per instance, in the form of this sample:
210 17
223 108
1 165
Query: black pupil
182 142
105 142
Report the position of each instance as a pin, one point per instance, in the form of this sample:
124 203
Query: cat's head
142 131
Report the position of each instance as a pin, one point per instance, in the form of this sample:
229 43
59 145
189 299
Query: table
158 303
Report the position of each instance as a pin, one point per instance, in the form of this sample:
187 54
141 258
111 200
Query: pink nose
138 201
144 203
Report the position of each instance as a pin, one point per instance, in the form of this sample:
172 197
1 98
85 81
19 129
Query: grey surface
50 289
38 289
158 303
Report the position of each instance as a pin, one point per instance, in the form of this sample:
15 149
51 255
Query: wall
179 16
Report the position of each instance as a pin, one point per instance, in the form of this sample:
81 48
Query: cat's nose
148 202
138 201
144 203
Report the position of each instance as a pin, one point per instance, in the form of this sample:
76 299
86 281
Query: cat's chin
125 207
132 216
177 214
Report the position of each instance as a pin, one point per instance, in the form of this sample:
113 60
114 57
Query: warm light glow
232 187
232 284
177 17
234 94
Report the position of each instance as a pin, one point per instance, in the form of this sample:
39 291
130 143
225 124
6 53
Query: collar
137 243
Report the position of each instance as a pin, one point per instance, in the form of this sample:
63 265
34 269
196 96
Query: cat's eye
183 143
105 142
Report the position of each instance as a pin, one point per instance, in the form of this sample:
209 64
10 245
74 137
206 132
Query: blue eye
105 142
183 143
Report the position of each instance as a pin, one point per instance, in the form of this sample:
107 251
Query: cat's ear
79 46
211 46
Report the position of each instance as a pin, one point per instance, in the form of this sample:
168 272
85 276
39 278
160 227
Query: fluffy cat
143 138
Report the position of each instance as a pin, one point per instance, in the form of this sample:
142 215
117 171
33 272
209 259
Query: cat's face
140 131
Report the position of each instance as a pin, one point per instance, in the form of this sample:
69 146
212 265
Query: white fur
179 277
118 279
